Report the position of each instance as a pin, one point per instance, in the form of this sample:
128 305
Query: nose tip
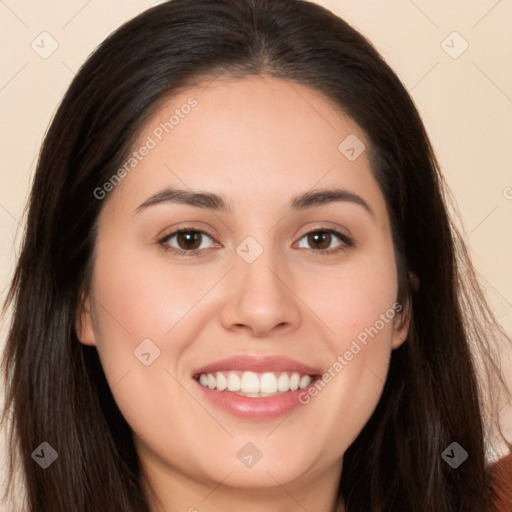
259 299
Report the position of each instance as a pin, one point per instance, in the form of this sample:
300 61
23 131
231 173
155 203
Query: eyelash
347 242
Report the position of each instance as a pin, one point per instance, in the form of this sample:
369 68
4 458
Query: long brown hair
56 389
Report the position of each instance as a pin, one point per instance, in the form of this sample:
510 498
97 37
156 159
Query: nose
261 297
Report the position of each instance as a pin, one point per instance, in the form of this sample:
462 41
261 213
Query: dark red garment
501 474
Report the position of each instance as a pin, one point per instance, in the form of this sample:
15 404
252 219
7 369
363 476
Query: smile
253 384
253 387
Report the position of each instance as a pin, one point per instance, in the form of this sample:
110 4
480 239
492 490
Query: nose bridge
260 299
259 263
257 266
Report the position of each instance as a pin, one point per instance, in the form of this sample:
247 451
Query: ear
84 325
404 314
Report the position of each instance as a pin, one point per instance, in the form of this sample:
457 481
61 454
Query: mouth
254 387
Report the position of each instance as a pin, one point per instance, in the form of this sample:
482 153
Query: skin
258 141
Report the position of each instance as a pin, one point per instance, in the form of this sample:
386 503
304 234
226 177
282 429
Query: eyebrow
210 201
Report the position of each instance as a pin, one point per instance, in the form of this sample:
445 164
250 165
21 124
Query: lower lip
257 407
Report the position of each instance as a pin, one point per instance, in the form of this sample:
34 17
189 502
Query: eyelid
336 231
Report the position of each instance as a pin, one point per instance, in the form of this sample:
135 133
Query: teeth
283 383
233 382
305 381
250 383
268 383
255 384
212 382
222 382
295 381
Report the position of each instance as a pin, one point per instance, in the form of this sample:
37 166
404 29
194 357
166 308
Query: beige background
466 103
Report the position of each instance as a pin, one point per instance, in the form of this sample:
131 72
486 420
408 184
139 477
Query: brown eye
186 241
320 241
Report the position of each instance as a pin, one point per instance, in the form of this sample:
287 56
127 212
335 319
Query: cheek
146 311
355 300
139 308
139 298
357 306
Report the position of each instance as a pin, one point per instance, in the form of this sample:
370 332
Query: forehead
253 140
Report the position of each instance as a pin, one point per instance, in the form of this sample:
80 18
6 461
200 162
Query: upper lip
257 364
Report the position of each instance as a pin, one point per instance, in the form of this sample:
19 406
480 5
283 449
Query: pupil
318 237
188 237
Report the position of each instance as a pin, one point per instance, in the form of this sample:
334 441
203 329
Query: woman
240 287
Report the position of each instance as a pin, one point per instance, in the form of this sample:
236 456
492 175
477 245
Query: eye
189 241
321 240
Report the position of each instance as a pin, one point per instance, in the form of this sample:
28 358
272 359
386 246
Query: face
245 332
